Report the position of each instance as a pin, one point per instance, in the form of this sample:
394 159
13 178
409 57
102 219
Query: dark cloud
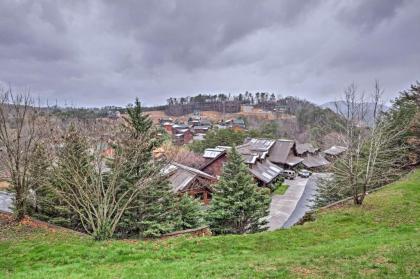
368 14
107 52
191 34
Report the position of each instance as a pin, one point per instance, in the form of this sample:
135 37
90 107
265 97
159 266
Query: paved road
5 201
283 206
305 203
286 210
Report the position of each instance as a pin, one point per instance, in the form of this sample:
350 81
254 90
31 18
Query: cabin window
199 196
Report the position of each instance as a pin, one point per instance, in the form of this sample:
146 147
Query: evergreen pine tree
327 192
154 211
238 205
42 206
75 149
191 214
136 119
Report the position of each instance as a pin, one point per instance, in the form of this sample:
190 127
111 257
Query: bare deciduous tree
20 131
373 152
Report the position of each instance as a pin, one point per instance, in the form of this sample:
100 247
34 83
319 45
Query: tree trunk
20 204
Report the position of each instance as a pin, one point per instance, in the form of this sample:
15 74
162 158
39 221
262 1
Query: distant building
165 120
194 122
247 108
305 149
181 134
198 137
284 154
201 129
206 122
254 153
334 151
311 158
182 137
114 114
290 154
237 124
315 162
267 158
168 127
215 158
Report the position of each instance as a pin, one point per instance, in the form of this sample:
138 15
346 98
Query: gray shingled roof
292 160
266 171
249 158
201 127
315 161
210 153
259 144
335 150
280 151
253 149
302 148
181 176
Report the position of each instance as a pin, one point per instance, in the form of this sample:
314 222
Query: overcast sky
96 53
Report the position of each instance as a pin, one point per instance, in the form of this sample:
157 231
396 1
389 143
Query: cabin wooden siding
201 189
215 167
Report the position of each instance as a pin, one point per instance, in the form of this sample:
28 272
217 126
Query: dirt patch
4 185
304 272
7 219
155 115
10 227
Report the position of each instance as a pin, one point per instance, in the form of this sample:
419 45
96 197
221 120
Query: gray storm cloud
98 53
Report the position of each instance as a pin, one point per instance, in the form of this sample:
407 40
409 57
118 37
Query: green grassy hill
378 240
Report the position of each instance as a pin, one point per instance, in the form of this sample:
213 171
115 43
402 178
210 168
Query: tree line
243 98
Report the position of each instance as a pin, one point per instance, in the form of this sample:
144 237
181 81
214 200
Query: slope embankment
379 239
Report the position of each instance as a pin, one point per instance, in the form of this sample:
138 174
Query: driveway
5 201
305 203
283 206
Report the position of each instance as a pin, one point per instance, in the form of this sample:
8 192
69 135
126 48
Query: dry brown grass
155 115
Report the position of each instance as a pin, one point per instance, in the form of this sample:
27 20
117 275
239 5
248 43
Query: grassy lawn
380 239
281 189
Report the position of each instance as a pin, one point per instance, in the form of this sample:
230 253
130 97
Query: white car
304 173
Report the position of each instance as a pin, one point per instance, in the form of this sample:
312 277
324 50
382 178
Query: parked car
304 173
289 174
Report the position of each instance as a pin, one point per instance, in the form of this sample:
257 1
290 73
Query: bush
276 184
279 188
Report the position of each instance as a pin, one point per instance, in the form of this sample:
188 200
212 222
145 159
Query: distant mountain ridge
340 106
